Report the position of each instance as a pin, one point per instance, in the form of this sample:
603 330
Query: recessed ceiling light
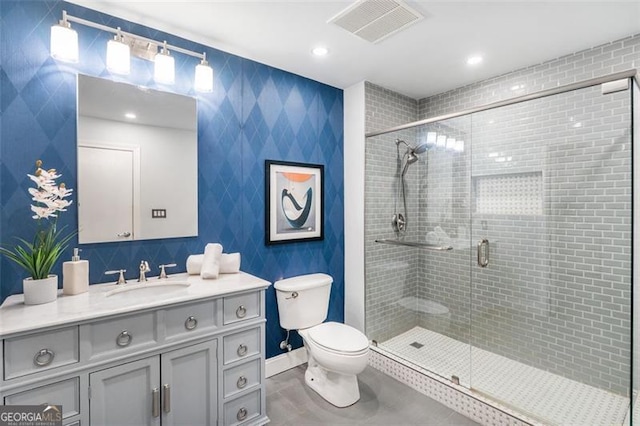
474 60
320 51
130 116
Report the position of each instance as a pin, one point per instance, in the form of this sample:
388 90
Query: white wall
168 172
354 145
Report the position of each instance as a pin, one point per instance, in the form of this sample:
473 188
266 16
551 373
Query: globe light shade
118 57
64 43
164 70
204 78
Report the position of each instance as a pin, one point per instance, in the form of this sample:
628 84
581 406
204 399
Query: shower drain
416 345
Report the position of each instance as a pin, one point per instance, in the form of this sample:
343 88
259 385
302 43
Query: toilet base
338 389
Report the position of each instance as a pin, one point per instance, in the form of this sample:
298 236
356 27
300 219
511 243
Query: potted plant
39 257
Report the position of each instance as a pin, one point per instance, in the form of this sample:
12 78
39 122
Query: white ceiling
425 59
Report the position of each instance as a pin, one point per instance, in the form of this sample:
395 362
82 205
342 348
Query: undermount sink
147 289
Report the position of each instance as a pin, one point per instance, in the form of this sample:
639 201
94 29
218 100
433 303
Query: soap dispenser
75 275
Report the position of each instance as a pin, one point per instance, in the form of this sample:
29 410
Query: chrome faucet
144 268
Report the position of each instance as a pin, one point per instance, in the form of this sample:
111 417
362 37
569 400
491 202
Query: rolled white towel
211 261
194 264
230 263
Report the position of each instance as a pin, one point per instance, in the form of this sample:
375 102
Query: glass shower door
551 278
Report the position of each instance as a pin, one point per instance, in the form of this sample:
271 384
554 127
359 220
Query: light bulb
431 138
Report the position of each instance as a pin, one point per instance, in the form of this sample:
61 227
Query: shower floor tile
551 398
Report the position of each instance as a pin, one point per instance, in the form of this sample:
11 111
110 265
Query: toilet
337 352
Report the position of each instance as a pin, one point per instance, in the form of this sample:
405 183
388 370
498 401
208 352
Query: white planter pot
37 292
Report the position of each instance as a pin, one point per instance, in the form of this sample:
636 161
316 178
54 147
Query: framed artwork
294 202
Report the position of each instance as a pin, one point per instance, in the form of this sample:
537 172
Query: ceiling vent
375 20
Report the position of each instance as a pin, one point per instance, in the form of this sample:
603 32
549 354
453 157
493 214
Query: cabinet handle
124 339
43 357
155 402
191 323
166 403
242 414
241 312
242 350
242 382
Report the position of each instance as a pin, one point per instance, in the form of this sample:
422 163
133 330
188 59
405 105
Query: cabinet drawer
65 393
121 335
241 345
242 409
187 320
241 307
241 377
38 352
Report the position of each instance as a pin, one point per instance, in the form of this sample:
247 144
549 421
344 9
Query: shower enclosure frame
630 75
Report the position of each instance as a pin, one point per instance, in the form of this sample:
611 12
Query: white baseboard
284 362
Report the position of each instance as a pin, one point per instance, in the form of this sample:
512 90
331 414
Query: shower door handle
483 253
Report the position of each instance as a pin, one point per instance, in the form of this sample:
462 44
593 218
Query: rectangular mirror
137 163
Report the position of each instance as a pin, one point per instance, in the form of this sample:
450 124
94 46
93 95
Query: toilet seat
338 338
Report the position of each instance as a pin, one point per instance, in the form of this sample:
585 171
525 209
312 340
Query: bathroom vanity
178 351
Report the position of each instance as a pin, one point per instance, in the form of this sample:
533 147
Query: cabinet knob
242 414
241 312
242 350
242 382
124 339
191 323
43 357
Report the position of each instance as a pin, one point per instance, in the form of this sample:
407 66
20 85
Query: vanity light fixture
441 141
164 69
64 47
118 55
203 81
64 41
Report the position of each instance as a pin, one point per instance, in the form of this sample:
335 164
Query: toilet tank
303 301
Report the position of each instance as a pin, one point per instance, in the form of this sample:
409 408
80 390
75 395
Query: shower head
420 148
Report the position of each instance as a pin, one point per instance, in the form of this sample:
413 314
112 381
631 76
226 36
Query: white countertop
16 317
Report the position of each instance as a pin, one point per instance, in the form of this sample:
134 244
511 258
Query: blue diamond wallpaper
255 113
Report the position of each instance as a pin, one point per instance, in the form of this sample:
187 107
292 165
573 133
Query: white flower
48 196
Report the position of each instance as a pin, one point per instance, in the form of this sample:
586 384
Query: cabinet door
124 395
189 386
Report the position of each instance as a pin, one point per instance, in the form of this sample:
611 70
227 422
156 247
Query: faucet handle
163 274
121 279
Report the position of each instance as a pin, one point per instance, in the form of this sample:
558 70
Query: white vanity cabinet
194 359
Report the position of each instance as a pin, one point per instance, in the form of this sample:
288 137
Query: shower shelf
428 246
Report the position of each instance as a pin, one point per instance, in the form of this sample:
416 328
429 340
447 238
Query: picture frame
294 198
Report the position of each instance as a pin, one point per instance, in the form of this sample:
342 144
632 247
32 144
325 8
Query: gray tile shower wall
391 272
558 296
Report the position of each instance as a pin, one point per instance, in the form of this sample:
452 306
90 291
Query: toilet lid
338 337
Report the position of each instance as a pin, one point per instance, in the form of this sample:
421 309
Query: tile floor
551 398
383 401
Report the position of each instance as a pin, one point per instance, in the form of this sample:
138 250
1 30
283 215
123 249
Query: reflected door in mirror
106 202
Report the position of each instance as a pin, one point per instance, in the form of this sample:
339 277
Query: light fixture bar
81 21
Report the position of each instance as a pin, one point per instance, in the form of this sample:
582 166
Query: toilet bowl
336 352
